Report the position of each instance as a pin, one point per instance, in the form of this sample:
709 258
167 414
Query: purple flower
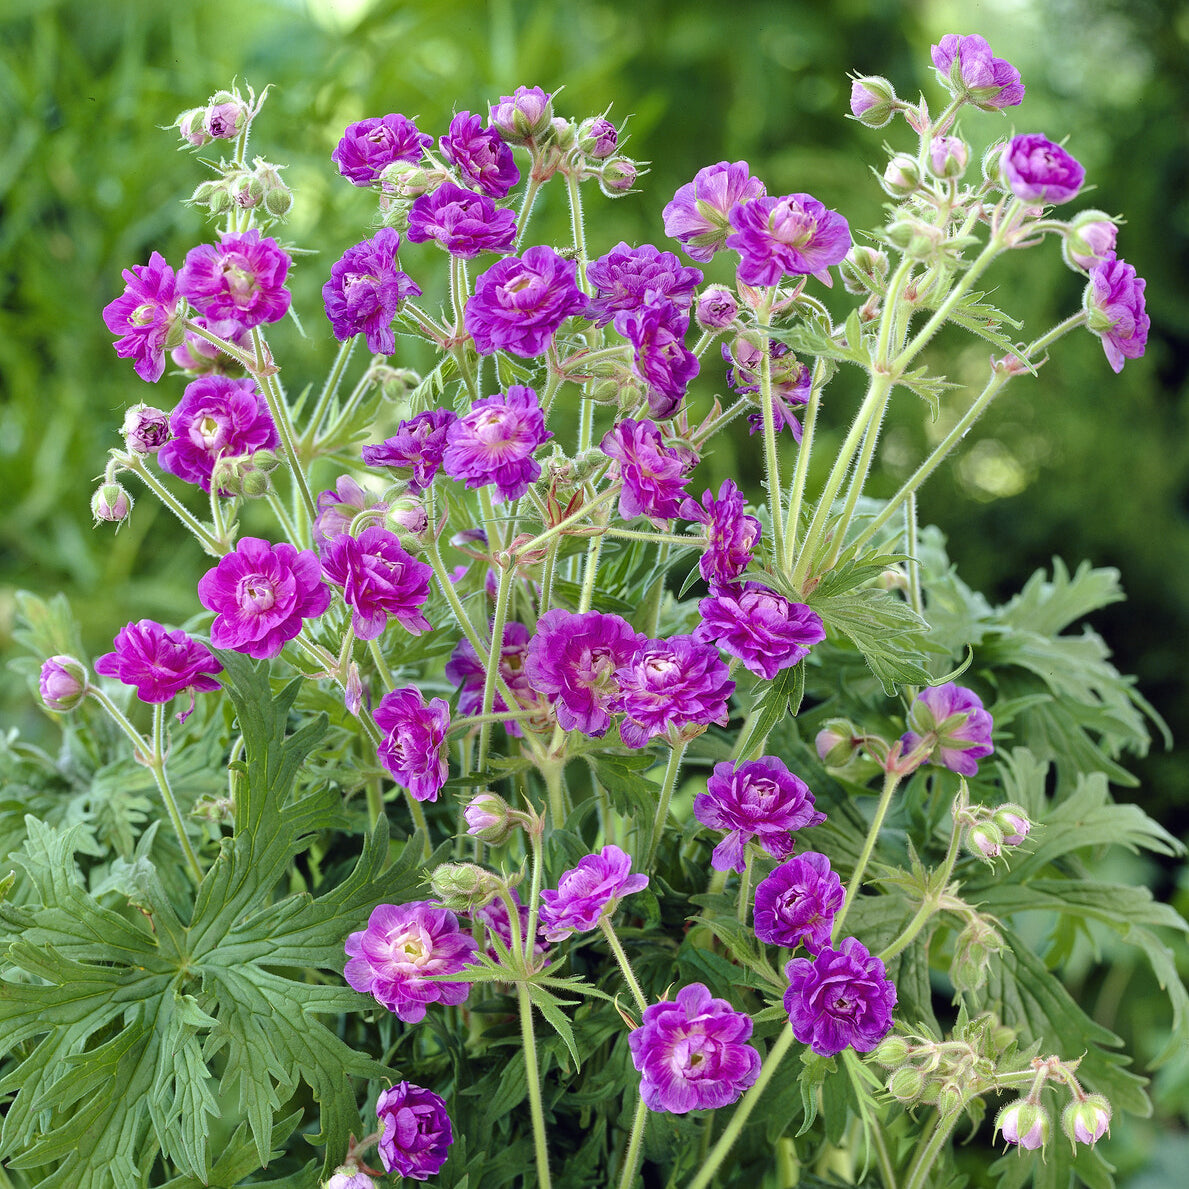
368 146
261 594
793 235
588 892
465 669
415 1131
494 442
159 663
463 222
1037 170
572 660
843 997
520 302
660 359
692 1053
731 535
796 904
242 278
338 507
678 682
145 429
652 473
144 316
697 215
759 627
414 745
480 155
598 138
224 120
197 354
966 65
402 947
758 799
953 720
1114 301
627 277
494 917
379 579
522 116
62 683
416 447
365 291
217 417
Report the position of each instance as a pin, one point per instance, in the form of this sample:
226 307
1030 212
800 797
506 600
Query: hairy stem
891 781
533 1074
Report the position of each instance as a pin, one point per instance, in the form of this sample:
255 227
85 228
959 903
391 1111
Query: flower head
653 474
795 905
62 683
480 155
1117 311
960 729
365 291
338 507
966 65
145 316
145 429
415 1132
463 222
494 442
627 277
1037 170
159 663
660 359
758 799
522 116
760 627
697 214
789 236
588 892
369 145
415 451
465 669
379 579
243 277
414 745
843 997
731 535
693 1053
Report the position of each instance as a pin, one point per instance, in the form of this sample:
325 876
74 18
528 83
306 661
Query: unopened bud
395 382
916 239
984 840
950 1098
1087 1121
1024 1123
111 502
948 156
597 138
62 683
901 177
617 177
490 819
861 266
353 690
872 100
145 429
407 180
240 476
246 191
717 308
464 886
973 950
891 1052
521 117
348 1176
190 126
1013 821
406 516
993 164
1090 240
837 741
906 1084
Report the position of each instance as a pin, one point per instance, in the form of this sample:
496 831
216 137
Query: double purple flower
697 216
368 146
967 66
144 316
365 291
789 236
414 745
960 728
653 474
415 1131
1114 301
243 277
379 579
627 277
494 442
480 155
463 222
1037 170
759 627
796 904
660 359
159 663
465 669
588 892
731 535
415 451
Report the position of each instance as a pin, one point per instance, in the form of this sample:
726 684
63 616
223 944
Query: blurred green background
1078 463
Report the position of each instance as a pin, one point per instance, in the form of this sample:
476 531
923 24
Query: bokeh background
1079 463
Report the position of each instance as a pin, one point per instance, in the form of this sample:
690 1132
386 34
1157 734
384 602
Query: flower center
258 593
142 315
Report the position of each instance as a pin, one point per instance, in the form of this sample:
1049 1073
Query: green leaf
549 1005
622 776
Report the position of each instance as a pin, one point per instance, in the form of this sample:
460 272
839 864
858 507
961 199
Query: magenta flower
628 277
465 669
379 579
588 892
759 627
145 315
415 450
843 997
679 682
652 473
1114 301
697 214
403 946
261 594
660 358
494 917
521 116
242 278
758 800
159 663
572 660
789 236
731 535
463 222
1037 170
520 302
951 719
967 66
795 905
792 381
480 155
338 507
62 683
415 1131
365 291
494 442
197 354
692 1053
414 745
370 145
217 417
145 429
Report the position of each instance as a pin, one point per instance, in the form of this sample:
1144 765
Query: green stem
891 780
590 573
801 470
210 544
918 1177
771 454
171 806
329 391
577 226
526 207
625 966
287 525
744 889
494 657
375 802
534 895
914 566
242 357
533 1075
634 1155
373 646
573 518
419 823
676 755
631 534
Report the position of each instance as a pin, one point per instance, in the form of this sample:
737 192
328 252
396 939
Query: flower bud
348 1176
906 1084
872 100
916 239
395 382
973 950
562 134
1013 821
862 265
837 741
891 1052
353 690
145 429
239 475
521 117
225 117
617 177
247 190
597 138
717 308
950 1098
984 840
1087 1121
62 683
948 156
190 126
901 177
993 164
1024 1123
464 886
112 502
1090 240
407 518
408 180
490 819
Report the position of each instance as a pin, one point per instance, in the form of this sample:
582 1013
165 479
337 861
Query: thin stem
534 895
526 207
373 646
771 454
533 1076
918 1177
329 390
914 566
287 525
573 518
744 889
801 469
891 780
591 572
577 226
375 803
419 822
631 534
494 658
157 766
212 545
634 1155
662 807
625 966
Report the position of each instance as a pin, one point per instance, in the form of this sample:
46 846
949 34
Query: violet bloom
758 800
660 358
627 277
731 535
759 627
159 663
494 442
653 474
338 507
1114 301
588 892
522 116
261 594
415 450
494 917
843 997
365 291
967 66
242 278
795 905
480 155
379 579
791 379
370 145
1037 170
403 946
463 222
217 417
697 215
197 354
465 670
679 682
952 718
788 236
520 302
572 660
415 1131
145 315
693 1053
414 745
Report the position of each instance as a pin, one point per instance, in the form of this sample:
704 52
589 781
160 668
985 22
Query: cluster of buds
260 186
224 117
245 475
989 830
1026 1123
463 887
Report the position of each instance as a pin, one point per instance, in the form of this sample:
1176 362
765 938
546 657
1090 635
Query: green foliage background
1079 463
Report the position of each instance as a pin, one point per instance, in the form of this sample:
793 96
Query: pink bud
1024 1123
1087 1121
62 683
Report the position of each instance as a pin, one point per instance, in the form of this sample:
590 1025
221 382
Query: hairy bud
463 887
